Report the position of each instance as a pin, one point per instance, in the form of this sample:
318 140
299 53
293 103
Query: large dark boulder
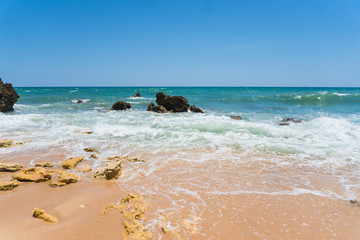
121 106
172 103
8 97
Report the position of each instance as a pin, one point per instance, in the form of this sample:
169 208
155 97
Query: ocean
330 131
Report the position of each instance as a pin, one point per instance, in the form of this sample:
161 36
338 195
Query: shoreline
210 199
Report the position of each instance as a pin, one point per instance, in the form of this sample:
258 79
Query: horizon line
186 86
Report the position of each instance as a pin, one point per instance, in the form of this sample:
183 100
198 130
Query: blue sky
180 43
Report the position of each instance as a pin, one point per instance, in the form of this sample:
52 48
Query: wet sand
213 199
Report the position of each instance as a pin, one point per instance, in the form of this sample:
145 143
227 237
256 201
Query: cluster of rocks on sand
45 172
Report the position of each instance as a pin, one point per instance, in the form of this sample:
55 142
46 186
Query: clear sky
180 42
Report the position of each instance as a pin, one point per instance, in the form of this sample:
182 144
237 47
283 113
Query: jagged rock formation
8 97
39 174
6 186
167 103
111 171
10 167
70 163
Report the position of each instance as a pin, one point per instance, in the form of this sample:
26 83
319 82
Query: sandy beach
186 200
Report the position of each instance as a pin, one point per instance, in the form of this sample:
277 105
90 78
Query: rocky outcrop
61 178
287 121
194 109
111 172
5 143
41 214
136 95
70 163
39 174
79 101
8 97
167 103
47 164
157 109
172 103
6 186
10 167
236 117
36 174
120 105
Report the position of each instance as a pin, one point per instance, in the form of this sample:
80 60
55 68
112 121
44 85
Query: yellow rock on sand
126 158
39 174
94 156
6 186
61 178
70 163
133 207
10 167
41 214
111 171
5 143
47 164
36 174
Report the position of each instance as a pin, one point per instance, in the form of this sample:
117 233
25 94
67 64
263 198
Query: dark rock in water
236 117
79 101
172 103
158 109
168 104
8 97
136 95
286 121
194 109
121 106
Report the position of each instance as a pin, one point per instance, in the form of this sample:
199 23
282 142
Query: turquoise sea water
257 104
330 130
